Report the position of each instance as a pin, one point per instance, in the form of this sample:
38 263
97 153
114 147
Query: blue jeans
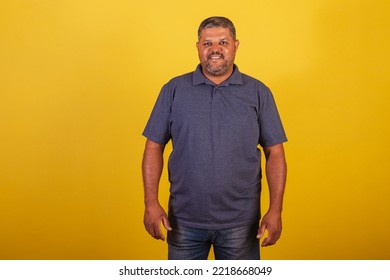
240 243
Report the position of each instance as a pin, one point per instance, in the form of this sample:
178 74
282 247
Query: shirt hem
219 226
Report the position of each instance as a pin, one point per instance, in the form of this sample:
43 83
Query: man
216 117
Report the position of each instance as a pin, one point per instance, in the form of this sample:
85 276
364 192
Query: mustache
215 53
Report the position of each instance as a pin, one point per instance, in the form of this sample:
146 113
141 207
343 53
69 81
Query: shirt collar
199 78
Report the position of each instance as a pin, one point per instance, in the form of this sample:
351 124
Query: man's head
217 46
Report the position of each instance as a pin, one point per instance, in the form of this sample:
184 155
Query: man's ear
236 43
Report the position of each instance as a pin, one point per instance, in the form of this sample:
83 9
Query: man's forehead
215 32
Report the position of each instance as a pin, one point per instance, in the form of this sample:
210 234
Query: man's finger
261 231
157 233
271 238
166 224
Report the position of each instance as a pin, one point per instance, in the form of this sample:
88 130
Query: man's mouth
215 56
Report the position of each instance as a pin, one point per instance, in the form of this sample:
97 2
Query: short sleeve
270 124
158 126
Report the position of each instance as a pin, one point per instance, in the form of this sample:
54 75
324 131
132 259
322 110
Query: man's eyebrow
220 39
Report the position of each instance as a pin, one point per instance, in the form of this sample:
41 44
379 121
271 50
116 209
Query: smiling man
216 118
217 50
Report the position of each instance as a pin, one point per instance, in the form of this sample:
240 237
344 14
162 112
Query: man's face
217 50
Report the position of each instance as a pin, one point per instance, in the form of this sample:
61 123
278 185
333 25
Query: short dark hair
217 22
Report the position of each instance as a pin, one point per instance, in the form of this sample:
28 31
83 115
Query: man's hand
272 222
153 217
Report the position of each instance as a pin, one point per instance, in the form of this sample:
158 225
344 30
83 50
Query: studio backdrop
78 80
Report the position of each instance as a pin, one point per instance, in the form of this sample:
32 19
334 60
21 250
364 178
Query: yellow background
78 80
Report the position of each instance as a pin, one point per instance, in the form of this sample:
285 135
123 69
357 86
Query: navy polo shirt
214 167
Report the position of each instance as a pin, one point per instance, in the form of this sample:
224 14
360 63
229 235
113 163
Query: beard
216 69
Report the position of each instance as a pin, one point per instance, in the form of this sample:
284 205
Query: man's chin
216 71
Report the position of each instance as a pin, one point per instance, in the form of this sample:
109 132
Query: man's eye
223 43
206 44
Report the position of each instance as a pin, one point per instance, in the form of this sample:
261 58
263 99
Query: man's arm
152 166
276 172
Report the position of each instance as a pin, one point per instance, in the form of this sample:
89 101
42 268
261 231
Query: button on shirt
214 167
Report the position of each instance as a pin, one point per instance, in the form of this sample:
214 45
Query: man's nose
215 47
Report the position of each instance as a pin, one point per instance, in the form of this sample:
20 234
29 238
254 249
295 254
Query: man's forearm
152 166
276 171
